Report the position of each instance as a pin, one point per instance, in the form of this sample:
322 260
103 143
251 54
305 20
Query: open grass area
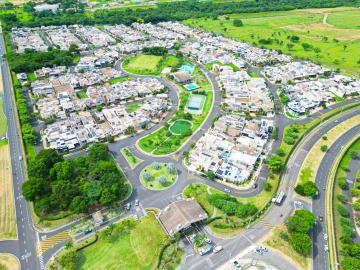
333 34
180 127
276 242
130 157
171 257
7 207
81 94
132 107
158 178
9 262
162 141
120 79
144 64
3 122
135 248
315 155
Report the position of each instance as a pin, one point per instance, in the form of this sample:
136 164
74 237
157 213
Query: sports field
135 247
180 127
142 63
7 209
333 34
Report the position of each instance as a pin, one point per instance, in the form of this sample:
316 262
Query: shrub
342 183
343 211
356 205
342 198
324 148
238 23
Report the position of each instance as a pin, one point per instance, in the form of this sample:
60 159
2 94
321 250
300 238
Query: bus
279 199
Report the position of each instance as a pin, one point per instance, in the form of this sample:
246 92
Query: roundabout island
159 176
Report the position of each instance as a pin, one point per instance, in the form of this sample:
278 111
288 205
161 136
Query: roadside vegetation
127 245
163 141
328 36
293 240
7 207
59 187
131 159
343 196
227 215
9 262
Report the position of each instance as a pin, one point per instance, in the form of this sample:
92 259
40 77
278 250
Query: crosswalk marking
52 241
266 223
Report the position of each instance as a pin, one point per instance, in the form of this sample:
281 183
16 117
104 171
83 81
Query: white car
136 202
326 248
227 190
325 236
217 249
20 158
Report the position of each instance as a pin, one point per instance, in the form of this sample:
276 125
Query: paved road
320 256
24 247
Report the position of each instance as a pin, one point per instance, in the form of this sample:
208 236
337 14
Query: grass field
138 248
162 141
7 208
120 79
131 159
3 123
132 107
9 262
154 183
143 64
180 127
334 34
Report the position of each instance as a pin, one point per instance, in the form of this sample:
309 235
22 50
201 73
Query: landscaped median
317 152
176 132
339 226
159 176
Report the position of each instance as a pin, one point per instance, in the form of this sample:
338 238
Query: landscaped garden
180 127
130 157
163 141
159 176
128 245
229 215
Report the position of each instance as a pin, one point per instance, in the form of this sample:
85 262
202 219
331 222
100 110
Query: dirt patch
340 34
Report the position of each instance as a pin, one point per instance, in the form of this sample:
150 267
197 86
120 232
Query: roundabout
181 127
159 176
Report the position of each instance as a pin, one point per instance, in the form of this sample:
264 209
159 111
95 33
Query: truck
279 198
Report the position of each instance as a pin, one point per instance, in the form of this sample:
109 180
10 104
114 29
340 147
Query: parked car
205 250
227 190
217 249
321 218
20 158
326 248
208 241
136 202
237 265
325 236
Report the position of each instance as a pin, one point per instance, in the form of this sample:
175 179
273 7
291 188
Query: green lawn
154 182
143 64
120 79
162 141
180 127
132 107
338 40
134 248
130 157
3 123
81 94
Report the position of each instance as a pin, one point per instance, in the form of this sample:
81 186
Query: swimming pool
191 86
187 68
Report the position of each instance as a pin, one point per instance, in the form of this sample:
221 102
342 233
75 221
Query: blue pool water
191 86
187 68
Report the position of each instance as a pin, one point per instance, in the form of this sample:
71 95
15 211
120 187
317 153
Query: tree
343 211
310 188
156 165
299 189
147 176
280 152
237 23
40 166
324 148
349 263
353 154
98 152
275 163
342 183
171 167
162 180
306 46
130 130
33 188
267 187
301 242
290 46
352 250
294 38
302 221
356 205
